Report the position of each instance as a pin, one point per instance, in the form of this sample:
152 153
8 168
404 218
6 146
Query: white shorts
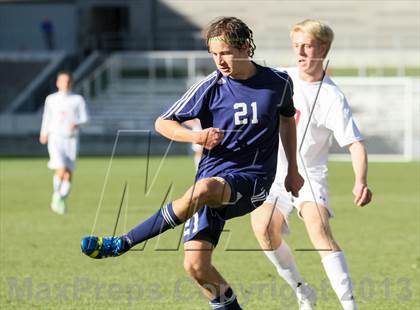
285 202
62 151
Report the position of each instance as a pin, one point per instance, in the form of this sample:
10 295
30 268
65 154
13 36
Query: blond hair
318 30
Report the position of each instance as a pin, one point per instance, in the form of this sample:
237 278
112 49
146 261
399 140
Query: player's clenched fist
362 195
210 137
293 182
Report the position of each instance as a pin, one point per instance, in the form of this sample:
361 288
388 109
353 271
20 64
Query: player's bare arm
209 137
294 181
361 191
191 123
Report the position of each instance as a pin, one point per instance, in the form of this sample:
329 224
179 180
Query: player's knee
60 173
272 230
205 191
260 228
200 192
266 233
67 175
195 268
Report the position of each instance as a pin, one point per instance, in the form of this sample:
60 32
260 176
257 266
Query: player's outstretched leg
267 223
316 220
210 191
102 247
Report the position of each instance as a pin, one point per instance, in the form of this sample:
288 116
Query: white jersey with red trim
331 118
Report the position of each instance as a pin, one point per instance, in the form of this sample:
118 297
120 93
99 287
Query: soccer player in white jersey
64 112
311 42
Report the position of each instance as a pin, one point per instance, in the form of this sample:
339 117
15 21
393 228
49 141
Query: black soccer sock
226 301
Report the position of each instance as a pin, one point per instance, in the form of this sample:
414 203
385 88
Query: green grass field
41 265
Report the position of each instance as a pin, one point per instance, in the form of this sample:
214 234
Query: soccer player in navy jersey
242 108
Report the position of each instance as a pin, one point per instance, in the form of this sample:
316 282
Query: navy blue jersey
247 111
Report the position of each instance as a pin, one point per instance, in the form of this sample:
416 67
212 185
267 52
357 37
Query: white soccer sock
65 188
56 183
284 262
336 268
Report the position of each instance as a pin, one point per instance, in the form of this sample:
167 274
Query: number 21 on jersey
241 114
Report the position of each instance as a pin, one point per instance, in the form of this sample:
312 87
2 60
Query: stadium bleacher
132 104
368 24
19 75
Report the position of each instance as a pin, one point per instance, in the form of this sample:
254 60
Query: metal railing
155 65
95 83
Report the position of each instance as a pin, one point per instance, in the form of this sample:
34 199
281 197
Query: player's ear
323 50
246 48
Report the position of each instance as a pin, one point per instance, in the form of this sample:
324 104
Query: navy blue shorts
248 192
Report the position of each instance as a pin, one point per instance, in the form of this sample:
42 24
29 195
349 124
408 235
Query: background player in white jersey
64 112
311 42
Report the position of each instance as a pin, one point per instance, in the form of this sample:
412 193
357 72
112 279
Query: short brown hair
65 72
235 32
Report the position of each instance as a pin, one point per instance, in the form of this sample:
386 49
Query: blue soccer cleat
102 247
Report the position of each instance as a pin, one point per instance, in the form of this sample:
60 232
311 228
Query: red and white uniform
331 118
61 110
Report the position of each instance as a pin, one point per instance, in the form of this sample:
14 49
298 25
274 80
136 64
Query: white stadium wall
386 110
